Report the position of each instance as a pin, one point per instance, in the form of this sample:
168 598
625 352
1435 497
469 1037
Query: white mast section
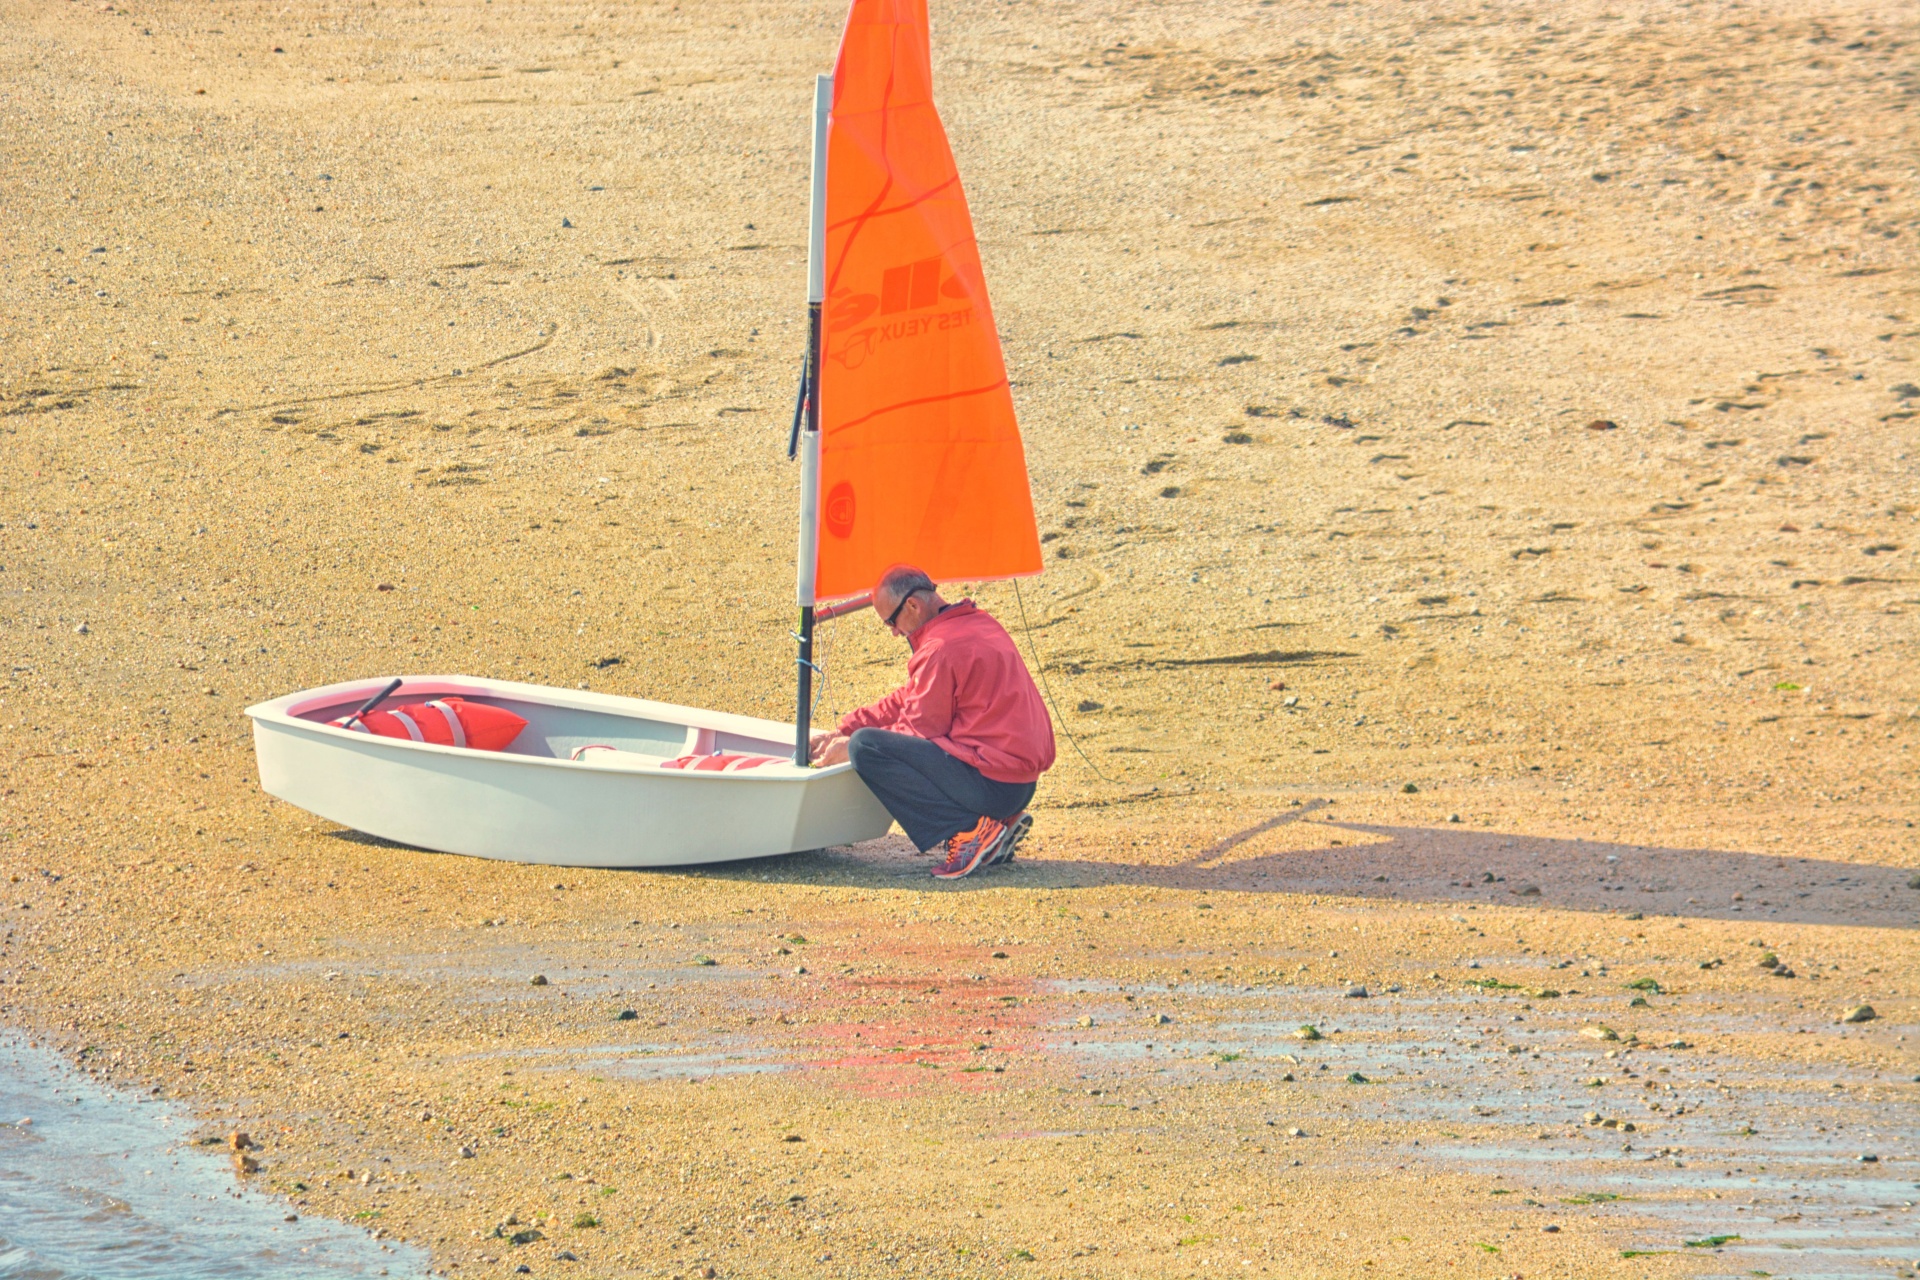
817 212
816 296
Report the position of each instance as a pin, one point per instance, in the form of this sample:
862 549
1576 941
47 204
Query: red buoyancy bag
445 722
725 762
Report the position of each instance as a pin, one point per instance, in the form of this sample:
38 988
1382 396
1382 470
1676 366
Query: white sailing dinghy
909 451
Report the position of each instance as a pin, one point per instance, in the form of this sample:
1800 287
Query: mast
809 432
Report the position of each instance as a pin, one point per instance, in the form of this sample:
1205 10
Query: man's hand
827 747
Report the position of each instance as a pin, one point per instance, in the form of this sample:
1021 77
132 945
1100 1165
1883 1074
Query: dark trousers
932 795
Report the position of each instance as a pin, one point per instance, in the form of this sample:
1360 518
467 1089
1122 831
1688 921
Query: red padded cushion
726 762
479 726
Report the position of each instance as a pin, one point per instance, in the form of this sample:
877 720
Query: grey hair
903 580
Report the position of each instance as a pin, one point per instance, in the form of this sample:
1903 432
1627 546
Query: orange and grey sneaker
1016 831
966 851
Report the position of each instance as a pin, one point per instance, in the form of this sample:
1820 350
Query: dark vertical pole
803 707
803 711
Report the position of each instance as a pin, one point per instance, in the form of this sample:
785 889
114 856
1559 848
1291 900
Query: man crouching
953 753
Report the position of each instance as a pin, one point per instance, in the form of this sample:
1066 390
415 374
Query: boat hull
532 804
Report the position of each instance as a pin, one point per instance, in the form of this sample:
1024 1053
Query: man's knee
863 746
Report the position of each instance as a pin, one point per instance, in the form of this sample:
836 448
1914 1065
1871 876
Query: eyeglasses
895 615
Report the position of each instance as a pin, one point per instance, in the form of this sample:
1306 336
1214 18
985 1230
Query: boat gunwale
278 712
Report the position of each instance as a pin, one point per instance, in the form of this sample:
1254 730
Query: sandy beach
1476 451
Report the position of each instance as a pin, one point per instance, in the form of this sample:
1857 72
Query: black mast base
803 708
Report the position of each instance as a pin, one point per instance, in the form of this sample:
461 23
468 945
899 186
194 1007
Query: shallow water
103 1185
1755 1165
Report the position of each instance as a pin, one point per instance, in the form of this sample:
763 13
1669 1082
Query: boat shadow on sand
1450 864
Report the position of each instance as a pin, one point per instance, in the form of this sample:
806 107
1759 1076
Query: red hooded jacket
968 693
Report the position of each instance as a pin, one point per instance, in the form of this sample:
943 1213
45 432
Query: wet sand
1470 443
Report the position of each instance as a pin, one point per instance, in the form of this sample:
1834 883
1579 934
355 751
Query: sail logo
904 290
917 285
839 509
912 287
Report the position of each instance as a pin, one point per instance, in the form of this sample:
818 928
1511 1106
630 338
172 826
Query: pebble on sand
1308 1032
1859 1013
1356 992
538 980
1600 1033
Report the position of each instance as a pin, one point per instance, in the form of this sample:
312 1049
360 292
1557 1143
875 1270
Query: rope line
820 638
1041 669
818 667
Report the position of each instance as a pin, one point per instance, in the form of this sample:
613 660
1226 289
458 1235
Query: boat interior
556 732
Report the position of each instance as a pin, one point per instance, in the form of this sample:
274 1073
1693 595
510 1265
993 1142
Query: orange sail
920 456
